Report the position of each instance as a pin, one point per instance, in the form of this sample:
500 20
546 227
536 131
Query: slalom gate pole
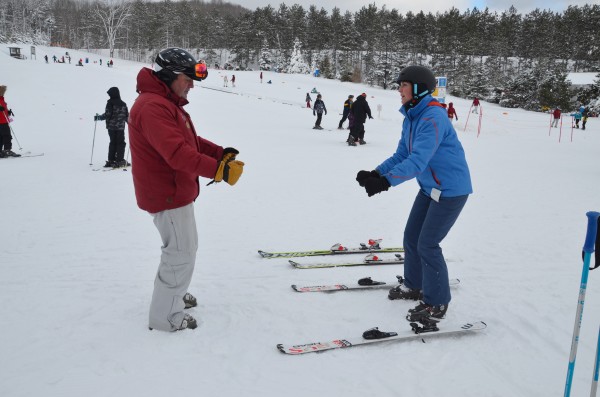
596 365
480 116
93 141
560 134
468 114
561 119
11 129
550 129
588 249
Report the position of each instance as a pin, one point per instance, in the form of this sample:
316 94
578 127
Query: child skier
5 134
452 112
318 110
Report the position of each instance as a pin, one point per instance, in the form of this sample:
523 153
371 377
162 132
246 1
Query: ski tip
295 287
294 264
280 347
263 254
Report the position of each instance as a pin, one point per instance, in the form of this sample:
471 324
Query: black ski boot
10 153
401 291
426 314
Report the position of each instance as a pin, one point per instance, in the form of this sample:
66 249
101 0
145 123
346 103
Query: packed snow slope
78 258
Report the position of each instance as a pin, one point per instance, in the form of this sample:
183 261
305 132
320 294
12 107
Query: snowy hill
78 258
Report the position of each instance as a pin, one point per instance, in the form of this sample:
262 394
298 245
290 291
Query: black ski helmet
173 61
421 78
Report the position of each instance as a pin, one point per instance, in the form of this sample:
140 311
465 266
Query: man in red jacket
556 117
167 158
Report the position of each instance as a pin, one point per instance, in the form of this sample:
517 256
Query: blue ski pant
424 266
177 228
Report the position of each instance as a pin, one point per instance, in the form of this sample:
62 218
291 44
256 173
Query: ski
336 249
26 154
374 335
370 260
362 284
110 169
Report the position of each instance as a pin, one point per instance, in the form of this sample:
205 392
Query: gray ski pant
177 228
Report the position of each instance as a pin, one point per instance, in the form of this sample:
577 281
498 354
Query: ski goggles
200 70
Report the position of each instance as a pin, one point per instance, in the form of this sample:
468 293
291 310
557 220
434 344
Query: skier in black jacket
360 110
116 115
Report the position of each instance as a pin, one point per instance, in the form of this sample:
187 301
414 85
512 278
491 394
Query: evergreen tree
297 63
266 58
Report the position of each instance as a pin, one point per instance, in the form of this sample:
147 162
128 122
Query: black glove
456 118
10 113
326 113
97 117
314 114
1 108
376 185
228 150
362 176
371 117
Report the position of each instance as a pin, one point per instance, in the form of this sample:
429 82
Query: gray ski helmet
422 79
178 61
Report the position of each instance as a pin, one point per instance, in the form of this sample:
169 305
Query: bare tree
113 14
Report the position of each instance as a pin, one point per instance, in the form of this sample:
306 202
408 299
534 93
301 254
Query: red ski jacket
3 113
166 154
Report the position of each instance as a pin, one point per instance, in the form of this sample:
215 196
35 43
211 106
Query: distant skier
116 115
475 105
360 110
346 111
318 111
261 77
556 117
225 81
46 58
584 117
577 117
233 80
379 109
5 135
452 112
308 100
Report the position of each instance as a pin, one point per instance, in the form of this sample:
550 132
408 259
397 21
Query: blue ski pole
595 379
588 249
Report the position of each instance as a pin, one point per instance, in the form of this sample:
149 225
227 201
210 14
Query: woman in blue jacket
429 150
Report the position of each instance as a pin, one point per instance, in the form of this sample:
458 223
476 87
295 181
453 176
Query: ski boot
401 291
425 313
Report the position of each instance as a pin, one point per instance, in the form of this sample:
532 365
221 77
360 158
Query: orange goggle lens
201 70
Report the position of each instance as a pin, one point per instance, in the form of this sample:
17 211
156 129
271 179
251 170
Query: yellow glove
229 170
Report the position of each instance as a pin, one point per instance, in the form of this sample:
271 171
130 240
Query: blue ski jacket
430 151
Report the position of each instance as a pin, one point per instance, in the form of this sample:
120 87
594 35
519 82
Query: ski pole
11 130
94 139
588 248
595 379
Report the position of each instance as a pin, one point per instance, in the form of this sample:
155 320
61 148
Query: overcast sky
523 6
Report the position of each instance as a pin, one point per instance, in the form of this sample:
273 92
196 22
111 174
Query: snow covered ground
78 258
